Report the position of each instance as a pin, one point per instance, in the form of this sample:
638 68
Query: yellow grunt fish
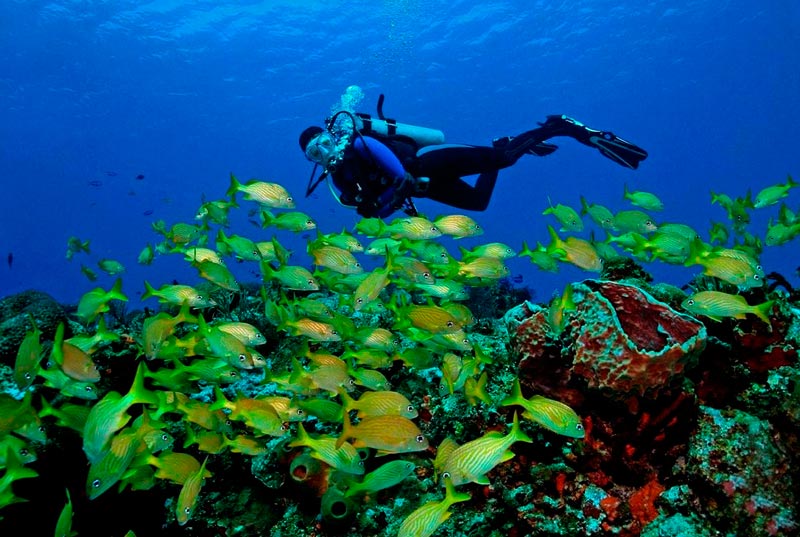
548 413
29 354
244 332
458 226
426 520
484 267
177 295
111 266
431 318
96 301
471 462
343 457
175 467
568 217
413 227
387 434
188 495
386 476
267 194
599 214
646 200
290 277
370 287
717 305
579 252
773 194
380 403
337 259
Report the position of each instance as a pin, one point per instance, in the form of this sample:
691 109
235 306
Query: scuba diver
378 165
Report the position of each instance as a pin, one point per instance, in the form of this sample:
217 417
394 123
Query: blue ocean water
96 93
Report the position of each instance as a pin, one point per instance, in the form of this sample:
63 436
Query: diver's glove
609 144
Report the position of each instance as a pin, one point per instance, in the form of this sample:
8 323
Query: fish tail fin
184 315
191 439
584 206
791 182
116 291
516 433
347 401
138 393
526 250
762 311
347 430
149 291
516 397
451 496
233 188
221 401
302 438
555 240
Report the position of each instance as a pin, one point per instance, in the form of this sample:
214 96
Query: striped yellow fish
550 414
471 462
426 520
458 226
267 194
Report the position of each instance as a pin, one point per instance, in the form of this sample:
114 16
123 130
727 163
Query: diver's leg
457 193
610 145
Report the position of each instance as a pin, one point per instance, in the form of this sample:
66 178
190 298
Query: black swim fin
609 144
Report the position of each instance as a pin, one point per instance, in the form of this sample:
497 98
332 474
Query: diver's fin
620 151
609 144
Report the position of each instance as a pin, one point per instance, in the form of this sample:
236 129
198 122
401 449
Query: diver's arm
398 183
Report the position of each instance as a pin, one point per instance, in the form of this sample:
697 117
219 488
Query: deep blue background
186 92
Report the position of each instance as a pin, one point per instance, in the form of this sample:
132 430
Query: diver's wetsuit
372 170
376 175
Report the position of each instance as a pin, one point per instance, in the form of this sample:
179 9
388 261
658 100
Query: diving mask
321 148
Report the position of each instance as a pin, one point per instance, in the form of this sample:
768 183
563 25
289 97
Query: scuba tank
383 126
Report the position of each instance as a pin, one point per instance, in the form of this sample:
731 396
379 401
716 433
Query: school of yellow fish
334 399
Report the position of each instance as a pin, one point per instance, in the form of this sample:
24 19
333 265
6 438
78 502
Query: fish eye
242 357
300 412
41 428
690 302
410 408
89 389
756 277
96 483
284 427
450 323
359 300
24 452
289 199
579 427
420 438
310 281
165 437
187 510
27 376
445 475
